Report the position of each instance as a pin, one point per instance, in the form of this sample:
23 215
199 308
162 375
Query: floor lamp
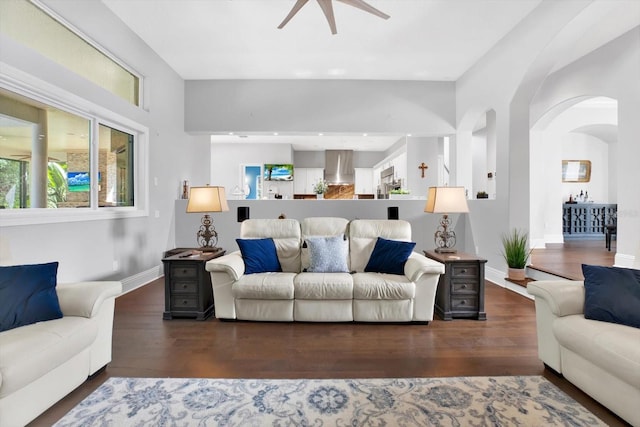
207 199
446 200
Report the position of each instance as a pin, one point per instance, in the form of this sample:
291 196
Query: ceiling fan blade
327 8
360 4
294 10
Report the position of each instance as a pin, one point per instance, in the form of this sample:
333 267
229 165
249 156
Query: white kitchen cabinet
364 181
304 179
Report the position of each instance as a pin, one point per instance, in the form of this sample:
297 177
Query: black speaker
243 213
392 212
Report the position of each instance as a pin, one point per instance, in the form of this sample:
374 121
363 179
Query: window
50 158
28 24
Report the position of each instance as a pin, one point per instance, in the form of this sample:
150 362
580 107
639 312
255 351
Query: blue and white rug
464 401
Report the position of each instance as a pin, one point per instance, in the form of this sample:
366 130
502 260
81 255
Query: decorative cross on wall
422 168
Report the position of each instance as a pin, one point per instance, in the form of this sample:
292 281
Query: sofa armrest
564 297
232 264
418 264
83 299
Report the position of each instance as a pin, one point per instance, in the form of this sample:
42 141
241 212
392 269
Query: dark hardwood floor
146 346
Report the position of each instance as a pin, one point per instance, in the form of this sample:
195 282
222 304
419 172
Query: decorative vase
516 274
320 196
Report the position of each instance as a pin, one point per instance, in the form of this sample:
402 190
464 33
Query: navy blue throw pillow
259 255
612 294
389 256
28 295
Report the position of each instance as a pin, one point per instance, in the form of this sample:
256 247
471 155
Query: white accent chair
43 362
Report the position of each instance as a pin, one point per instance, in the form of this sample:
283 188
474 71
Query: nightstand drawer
464 270
184 303
464 287
460 303
184 286
190 271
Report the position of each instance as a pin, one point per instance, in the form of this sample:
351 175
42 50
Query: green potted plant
320 188
482 195
516 253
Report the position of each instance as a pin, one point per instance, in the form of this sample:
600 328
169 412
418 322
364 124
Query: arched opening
585 130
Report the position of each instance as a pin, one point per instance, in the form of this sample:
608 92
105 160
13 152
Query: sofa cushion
285 234
613 347
612 294
320 227
379 286
364 233
28 295
323 286
264 286
29 352
389 256
328 254
259 255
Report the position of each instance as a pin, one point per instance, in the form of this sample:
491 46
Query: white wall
556 137
339 106
226 160
422 150
508 78
90 250
576 146
617 80
423 225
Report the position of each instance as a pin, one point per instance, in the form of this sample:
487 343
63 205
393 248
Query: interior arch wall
553 139
611 71
506 80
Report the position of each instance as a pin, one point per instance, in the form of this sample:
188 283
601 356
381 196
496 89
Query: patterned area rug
464 401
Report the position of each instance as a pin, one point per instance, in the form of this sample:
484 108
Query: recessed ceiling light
364 134
230 133
320 134
275 133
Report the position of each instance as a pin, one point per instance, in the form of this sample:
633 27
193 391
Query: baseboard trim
498 277
137 280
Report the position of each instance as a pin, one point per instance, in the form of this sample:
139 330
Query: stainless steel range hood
338 167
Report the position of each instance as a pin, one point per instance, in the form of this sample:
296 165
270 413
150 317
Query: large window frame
40 91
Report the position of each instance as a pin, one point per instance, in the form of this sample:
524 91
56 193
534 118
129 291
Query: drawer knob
185 302
464 270
463 302
184 271
184 286
464 286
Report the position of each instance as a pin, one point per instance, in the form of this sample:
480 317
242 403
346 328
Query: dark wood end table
187 285
460 292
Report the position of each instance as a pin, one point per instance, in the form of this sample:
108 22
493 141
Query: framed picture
576 170
282 172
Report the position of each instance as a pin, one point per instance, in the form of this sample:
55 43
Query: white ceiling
239 39
422 40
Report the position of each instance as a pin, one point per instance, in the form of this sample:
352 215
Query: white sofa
297 295
43 362
601 358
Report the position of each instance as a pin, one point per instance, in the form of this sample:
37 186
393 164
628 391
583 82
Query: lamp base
446 250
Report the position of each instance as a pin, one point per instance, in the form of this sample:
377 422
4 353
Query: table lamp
207 199
446 200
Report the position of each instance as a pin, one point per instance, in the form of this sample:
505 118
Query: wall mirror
576 170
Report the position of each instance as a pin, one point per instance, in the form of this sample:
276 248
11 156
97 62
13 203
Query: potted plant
482 195
515 253
320 188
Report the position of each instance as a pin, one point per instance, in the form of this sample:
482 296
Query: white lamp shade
207 199
446 200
